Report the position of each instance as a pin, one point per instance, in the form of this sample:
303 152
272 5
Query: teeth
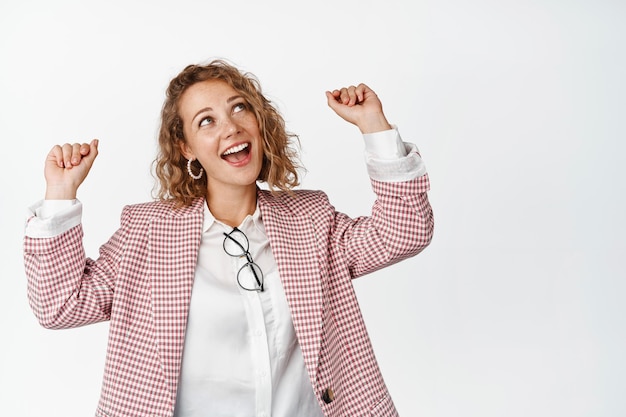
236 149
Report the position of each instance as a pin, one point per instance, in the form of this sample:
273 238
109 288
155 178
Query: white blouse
241 355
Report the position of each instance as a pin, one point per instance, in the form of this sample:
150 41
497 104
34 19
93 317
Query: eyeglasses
250 276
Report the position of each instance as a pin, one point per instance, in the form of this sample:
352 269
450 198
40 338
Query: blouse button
328 395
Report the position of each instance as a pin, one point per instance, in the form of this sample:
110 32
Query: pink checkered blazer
143 277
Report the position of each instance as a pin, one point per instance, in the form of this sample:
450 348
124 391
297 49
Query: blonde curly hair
280 159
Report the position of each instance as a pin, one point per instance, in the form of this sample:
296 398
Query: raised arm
65 288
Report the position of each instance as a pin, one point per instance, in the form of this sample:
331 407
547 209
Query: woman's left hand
360 106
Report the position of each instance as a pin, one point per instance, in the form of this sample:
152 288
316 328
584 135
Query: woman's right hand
67 167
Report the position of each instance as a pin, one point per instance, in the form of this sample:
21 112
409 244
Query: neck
233 205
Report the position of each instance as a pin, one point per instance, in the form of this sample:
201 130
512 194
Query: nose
230 126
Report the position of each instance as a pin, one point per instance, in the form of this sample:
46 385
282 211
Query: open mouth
237 153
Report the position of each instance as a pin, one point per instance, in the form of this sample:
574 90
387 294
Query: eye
239 107
205 121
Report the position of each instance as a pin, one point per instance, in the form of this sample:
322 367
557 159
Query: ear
185 150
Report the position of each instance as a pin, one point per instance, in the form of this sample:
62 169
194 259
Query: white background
516 308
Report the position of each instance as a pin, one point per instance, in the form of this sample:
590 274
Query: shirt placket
259 348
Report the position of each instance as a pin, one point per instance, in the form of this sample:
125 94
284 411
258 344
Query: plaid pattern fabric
143 277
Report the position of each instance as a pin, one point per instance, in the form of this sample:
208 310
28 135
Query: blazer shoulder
161 209
295 201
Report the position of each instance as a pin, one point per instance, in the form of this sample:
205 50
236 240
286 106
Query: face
222 133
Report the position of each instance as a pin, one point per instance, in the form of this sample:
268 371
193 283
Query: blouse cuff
389 159
386 144
49 218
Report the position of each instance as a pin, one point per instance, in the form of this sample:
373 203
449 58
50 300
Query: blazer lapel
174 241
294 244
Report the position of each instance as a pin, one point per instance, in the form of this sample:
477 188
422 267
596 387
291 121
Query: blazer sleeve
400 226
65 288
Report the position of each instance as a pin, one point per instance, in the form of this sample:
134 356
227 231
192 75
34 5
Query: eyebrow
205 109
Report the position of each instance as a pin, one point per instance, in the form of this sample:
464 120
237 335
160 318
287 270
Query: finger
84 149
76 156
345 96
67 155
331 98
361 90
56 155
93 151
352 96
334 97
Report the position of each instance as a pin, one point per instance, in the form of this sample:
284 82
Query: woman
225 299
